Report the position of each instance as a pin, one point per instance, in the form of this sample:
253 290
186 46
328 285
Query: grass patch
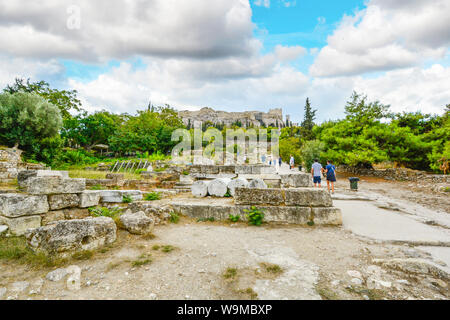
149 236
15 249
96 187
230 273
250 293
174 217
156 247
143 260
327 294
152 196
83 255
127 199
272 268
167 248
113 213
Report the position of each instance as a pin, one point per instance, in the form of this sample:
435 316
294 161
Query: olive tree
26 119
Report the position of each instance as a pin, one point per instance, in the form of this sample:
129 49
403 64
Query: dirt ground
422 193
220 260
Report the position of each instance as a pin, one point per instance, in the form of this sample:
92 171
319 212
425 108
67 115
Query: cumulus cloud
289 53
262 3
384 36
124 28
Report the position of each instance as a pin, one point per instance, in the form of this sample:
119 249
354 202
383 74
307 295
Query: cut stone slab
308 197
257 184
63 201
200 188
55 185
19 226
116 196
218 187
52 216
137 223
23 176
237 183
270 197
89 198
13 205
330 216
159 212
296 180
68 236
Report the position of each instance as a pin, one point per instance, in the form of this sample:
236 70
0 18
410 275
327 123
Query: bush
152 196
235 218
113 213
255 216
127 199
174 217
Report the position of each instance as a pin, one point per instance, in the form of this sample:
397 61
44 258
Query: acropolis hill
272 118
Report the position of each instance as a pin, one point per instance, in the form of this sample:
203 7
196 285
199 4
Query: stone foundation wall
397 174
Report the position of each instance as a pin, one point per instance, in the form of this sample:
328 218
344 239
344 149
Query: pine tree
308 120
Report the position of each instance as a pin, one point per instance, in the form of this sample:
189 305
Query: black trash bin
300 168
354 183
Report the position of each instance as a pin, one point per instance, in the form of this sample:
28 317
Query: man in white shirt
316 172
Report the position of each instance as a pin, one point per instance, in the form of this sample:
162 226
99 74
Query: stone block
116 196
13 205
55 185
76 214
296 180
308 197
137 223
89 198
210 169
18 226
68 236
52 216
327 216
270 197
62 201
242 169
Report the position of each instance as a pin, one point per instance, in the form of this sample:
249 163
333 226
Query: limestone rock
159 212
308 197
237 183
2 292
52 216
55 185
68 236
76 214
200 188
20 286
247 196
13 205
74 280
56 275
23 176
116 196
89 198
3 230
374 283
257 184
18 226
218 187
62 201
296 180
137 223
327 216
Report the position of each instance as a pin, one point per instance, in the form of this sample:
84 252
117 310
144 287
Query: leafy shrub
174 217
96 187
113 213
127 199
152 196
235 218
255 216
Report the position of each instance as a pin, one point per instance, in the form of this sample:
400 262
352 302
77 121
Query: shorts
317 179
331 178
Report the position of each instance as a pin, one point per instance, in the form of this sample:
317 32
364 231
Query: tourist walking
316 172
291 162
280 161
331 175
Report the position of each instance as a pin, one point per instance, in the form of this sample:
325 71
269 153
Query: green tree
26 119
65 100
308 120
312 150
360 111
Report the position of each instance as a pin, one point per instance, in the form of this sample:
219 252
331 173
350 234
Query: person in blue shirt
331 175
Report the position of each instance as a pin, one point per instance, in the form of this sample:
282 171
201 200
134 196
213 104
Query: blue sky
233 55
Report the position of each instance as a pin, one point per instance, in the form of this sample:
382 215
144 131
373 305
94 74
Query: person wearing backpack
331 175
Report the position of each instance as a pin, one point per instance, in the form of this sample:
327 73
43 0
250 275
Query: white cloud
289 53
386 36
125 28
262 3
